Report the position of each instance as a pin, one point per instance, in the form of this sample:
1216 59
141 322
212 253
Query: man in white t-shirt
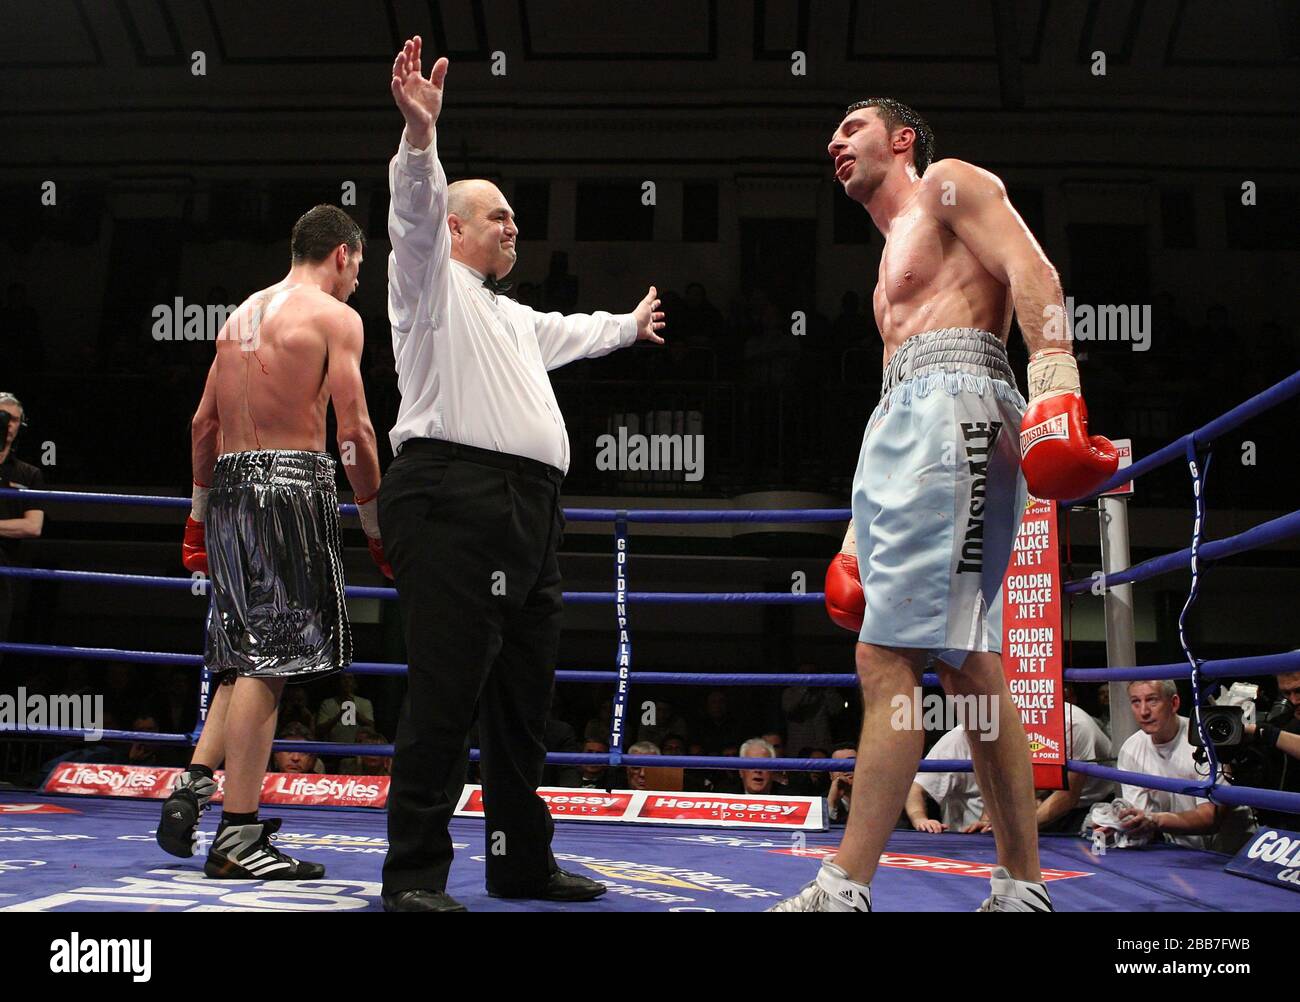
962 806
1160 748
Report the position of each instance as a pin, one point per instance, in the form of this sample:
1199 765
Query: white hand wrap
368 512
1052 371
199 503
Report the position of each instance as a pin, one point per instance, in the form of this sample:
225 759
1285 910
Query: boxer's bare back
270 373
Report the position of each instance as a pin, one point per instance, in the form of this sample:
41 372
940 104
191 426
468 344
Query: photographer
1160 748
1278 736
19 520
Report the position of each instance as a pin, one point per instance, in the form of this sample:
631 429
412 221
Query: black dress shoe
421 901
562 886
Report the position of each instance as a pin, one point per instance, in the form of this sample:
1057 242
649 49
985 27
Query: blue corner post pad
1272 856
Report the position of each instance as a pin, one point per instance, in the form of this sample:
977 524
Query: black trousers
473 537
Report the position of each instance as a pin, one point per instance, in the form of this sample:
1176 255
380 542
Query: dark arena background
156 155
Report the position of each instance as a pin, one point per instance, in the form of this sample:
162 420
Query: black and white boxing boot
178 829
246 852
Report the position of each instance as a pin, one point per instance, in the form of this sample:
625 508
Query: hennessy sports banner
657 807
1031 641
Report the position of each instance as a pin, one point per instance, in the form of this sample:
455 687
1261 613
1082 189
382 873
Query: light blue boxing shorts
938 495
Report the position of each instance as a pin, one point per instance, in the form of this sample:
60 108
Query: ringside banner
1031 641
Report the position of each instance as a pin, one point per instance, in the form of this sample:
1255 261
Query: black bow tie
492 284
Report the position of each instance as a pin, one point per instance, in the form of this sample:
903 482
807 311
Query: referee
470 515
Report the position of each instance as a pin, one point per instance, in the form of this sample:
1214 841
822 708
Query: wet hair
319 230
895 113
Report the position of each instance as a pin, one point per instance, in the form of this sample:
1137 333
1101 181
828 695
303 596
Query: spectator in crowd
341 715
658 720
364 765
699 780
124 695
726 780
141 752
840 793
757 781
961 805
594 777
597 727
780 780
674 744
177 700
19 520
719 729
810 784
1160 748
636 773
560 737
295 707
808 711
1103 707
961 808
296 761
1065 810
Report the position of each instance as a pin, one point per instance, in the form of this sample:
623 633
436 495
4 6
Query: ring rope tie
1199 472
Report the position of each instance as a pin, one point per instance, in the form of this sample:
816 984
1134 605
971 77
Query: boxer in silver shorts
264 525
938 494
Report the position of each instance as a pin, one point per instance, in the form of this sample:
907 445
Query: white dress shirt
472 365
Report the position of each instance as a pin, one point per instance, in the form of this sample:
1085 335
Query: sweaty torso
271 366
929 279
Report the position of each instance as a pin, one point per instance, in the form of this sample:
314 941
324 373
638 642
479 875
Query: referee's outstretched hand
418 98
648 318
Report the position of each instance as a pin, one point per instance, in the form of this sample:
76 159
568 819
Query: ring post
1121 646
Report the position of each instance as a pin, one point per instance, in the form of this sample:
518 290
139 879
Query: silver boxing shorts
278 607
938 495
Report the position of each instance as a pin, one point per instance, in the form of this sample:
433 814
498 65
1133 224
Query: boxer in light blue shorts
938 495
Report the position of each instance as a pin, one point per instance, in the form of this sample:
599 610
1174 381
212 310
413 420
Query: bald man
470 515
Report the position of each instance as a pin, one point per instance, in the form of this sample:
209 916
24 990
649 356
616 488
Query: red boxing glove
377 555
845 603
1060 459
368 512
194 548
